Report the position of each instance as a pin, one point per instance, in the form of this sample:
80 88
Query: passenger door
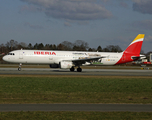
21 55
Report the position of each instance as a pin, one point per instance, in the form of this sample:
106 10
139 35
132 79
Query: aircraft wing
84 60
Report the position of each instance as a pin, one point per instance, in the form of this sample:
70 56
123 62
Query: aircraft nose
4 58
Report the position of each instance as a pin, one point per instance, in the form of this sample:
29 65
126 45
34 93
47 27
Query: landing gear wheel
79 70
72 69
19 69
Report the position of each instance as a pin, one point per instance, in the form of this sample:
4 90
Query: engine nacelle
65 65
54 65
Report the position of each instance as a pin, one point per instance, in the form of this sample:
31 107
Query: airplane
72 59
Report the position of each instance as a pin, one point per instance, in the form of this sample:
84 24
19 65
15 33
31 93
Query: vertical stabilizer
135 46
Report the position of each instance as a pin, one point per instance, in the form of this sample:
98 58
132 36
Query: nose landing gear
19 68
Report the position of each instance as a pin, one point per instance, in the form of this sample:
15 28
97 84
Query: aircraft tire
72 69
79 69
19 69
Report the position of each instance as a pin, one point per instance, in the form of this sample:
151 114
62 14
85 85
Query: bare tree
2 48
60 47
112 48
12 44
67 45
80 45
22 45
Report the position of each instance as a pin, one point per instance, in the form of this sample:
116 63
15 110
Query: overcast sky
98 22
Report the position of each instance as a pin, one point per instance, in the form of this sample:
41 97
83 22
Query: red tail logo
133 50
135 46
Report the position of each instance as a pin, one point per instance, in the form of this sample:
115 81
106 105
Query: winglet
135 45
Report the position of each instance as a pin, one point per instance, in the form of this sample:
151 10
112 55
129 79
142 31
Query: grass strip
68 89
75 116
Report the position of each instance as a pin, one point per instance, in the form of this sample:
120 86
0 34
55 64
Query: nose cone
5 58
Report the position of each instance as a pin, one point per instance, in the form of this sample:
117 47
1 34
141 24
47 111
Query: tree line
78 45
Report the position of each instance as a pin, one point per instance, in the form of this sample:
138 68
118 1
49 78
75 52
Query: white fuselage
54 57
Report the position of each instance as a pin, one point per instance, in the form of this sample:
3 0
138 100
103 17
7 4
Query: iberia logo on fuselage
44 53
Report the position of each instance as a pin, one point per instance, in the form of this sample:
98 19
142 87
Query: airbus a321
72 59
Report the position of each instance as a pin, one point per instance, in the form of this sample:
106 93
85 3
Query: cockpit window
10 54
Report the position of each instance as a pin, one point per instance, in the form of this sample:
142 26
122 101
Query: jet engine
65 65
62 65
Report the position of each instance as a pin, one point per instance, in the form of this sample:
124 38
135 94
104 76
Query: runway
95 72
76 107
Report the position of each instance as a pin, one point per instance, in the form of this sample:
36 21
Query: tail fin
135 46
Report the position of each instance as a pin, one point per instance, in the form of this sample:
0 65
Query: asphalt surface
87 72
76 107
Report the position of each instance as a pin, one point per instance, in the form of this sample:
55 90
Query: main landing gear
78 69
72 69
19 68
